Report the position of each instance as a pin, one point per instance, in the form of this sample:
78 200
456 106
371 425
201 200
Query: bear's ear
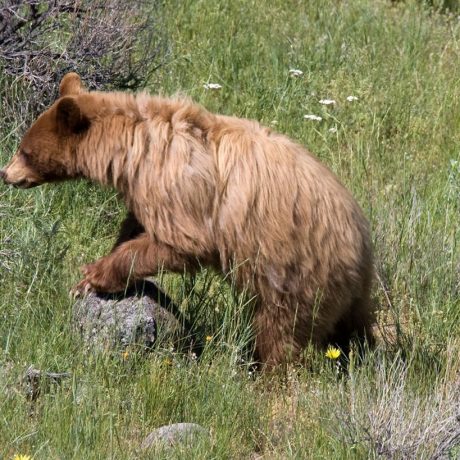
69 116
71 85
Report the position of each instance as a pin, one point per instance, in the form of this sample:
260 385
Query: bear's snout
18 174
4 177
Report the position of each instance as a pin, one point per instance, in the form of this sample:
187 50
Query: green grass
396 148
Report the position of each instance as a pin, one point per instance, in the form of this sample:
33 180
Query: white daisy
327 101
295 72
351 98
213 86
312 117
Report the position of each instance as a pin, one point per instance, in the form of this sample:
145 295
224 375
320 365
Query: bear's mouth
23 184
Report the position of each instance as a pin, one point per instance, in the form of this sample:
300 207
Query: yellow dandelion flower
332 353
125 355
22 457
208 338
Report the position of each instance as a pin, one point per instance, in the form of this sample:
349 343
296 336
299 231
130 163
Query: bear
210 190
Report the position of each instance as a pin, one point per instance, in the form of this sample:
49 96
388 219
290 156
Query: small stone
172 435
36 380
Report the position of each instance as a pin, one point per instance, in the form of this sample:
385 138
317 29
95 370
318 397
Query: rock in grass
172 435
137 317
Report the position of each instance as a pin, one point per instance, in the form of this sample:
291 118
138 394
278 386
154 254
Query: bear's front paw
99 276
81 289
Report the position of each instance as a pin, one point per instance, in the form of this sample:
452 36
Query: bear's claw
82 289
98 277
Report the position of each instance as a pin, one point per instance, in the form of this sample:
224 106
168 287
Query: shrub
115 44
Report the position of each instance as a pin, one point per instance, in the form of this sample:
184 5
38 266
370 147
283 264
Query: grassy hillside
397 147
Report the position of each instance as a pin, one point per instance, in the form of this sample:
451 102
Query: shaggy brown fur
211 190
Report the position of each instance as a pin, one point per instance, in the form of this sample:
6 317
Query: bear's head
47 150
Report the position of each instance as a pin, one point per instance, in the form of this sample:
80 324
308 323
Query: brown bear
211 190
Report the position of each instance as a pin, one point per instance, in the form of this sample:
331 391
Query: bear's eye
26 155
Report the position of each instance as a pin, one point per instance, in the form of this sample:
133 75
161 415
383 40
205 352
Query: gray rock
172 435
137 317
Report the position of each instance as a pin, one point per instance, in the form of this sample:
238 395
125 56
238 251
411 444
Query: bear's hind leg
281 334
355 326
